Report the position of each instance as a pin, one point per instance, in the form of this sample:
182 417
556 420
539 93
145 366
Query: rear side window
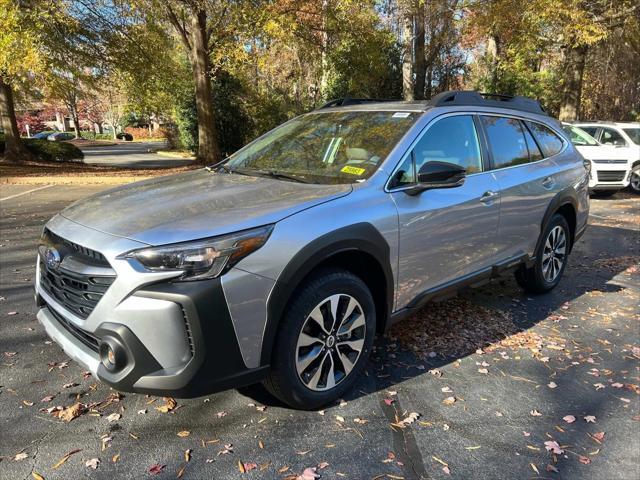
506 140
534 151
611 137
550 143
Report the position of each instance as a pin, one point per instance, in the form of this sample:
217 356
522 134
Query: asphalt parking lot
493 384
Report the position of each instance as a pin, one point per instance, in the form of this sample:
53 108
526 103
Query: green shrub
89 135
50 151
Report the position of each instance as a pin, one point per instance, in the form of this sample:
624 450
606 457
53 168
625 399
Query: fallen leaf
74 411
184 433
551 468
156 469
66 457
309 473
569 418
553 446
590 419
584 460
617 385
598 436
114 417
446 390
20 456
169 404
552 385
221 414
535 413
228 448
484 371
389 401
37 476
340 419
322 465
92 463
187 455
48 398
449 400
115 458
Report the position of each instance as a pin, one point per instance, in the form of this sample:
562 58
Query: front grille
611 162
610 175
81 279
95 257
85 337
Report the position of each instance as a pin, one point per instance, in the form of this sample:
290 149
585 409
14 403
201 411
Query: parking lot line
24 193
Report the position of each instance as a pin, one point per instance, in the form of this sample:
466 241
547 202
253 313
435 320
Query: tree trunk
420 60
324 60
208 149
76 120
493 52
572 82
407 56
14 149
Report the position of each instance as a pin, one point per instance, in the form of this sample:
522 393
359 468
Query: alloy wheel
554 253
330 342
635 180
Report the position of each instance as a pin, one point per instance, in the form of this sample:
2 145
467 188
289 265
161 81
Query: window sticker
401 115
353 170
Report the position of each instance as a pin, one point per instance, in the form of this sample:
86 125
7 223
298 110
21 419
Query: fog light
112 355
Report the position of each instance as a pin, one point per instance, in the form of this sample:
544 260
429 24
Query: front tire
634 184
323 341
551 258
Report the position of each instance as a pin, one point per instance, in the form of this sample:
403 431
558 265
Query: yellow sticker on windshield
353 170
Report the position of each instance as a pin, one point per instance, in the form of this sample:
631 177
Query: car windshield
579 136
324 147
634 134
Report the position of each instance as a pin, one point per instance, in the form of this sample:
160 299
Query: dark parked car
60 136
124 136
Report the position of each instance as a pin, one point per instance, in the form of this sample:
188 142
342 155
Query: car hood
602 152
196 205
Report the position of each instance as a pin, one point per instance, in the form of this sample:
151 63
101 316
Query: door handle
548 183
489 196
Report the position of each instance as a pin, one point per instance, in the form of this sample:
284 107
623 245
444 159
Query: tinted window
534 151
506 140
550 143
590 130
611 137
405 174
634 134
452 140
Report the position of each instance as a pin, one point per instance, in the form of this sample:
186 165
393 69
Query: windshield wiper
285 176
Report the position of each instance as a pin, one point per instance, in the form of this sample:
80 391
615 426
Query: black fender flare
362 237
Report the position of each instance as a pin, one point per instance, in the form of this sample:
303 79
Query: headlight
201 259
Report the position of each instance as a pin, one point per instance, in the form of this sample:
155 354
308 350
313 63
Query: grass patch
50 151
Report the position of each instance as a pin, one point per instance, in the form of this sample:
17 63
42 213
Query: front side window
506 140
611 137
325 147
590 130
634 134
550 143
452 140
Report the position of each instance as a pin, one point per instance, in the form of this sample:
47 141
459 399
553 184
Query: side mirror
438 175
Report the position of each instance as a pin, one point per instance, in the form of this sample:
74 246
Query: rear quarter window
550 143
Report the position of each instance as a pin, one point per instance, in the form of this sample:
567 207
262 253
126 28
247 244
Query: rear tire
316 358
550 260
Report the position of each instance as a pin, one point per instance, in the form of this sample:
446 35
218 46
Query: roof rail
470 97
343 102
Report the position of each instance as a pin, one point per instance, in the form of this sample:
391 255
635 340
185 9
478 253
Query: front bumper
608 177
172 338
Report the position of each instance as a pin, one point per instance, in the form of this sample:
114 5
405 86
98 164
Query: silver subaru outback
281 263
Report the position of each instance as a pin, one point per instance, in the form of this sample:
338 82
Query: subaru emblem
51 257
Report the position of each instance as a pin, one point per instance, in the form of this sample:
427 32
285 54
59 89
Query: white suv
608 166
623 136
